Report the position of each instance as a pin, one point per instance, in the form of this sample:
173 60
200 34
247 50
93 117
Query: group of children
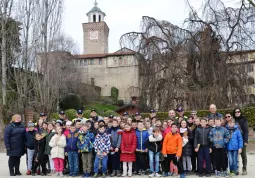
121 146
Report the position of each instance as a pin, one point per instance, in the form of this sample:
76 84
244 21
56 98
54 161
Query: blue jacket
30 139
115 137
14 139
85 141
71 141
236 140
219 136
142 138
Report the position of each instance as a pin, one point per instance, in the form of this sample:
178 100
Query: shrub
53 116
86 114
71 113
110 112
114 94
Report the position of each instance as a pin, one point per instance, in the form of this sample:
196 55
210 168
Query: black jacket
30 139
187 150
201 137
243 122
39 148
154 144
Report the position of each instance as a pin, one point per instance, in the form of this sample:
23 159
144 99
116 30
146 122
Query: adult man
43 116
153 114
125 116
79 117
213 112
93 115
138 116
62 116
180 117
171 114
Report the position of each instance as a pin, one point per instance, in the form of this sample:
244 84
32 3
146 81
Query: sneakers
244 172
95 175
18 173
201 175
224 174
217 174
61 174
56 174
113 173
152 175
104 175
28 172
165 174
182 176
118 173
157 175
208 175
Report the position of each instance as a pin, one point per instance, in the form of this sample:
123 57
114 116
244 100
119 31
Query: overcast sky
122 16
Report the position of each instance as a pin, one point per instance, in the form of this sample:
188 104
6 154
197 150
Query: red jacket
128 146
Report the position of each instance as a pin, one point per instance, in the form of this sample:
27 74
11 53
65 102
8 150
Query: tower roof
96 9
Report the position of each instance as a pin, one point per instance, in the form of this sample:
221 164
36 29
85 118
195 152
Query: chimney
134 100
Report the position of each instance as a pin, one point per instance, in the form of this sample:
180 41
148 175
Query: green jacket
48 138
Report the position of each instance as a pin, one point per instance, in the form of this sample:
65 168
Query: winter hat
30 124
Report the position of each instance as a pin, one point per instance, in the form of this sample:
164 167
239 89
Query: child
154 147
58 143
29 143
128 147
102 146
172 150
39 156
72 151
115 148
67 128
148 127
85 146
51 133
234 146
186 147
129 120
168 129
142 136
134 124
202 145
219 136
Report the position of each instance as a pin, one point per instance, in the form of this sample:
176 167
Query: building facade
103 69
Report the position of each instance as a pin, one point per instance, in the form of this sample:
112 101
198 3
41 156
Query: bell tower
95 32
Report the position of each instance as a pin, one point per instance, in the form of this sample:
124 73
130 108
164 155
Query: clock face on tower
93 35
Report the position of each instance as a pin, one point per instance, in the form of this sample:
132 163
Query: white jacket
58 145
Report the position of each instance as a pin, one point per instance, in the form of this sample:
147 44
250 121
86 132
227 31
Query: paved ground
4 172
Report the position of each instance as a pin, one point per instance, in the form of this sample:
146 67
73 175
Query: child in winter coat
29 144
234 146
172 150
154 146
115 136
187 147
51 133
219 136
85 146
102 147
128 147
39 156
142 136
58 144
72 151
202 146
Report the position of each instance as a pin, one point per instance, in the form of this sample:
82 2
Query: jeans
104 164
73 160
232 157
30 155
204 154
153 161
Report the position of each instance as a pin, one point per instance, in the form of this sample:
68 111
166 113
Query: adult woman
243 123
14 139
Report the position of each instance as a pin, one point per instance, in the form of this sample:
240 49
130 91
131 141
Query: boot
118 173
244 172
28 172
113 173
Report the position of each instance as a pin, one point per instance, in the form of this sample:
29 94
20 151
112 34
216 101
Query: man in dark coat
14 139
243 123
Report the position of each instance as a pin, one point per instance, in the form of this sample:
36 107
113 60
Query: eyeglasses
227 116
237 112
193 114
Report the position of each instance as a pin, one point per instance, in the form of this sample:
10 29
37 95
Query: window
99 18
91 62
100 61
94 18
125 62
120 61
85 62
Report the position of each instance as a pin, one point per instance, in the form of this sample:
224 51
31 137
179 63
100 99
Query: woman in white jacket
58 144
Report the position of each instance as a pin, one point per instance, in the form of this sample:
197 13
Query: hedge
248 112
